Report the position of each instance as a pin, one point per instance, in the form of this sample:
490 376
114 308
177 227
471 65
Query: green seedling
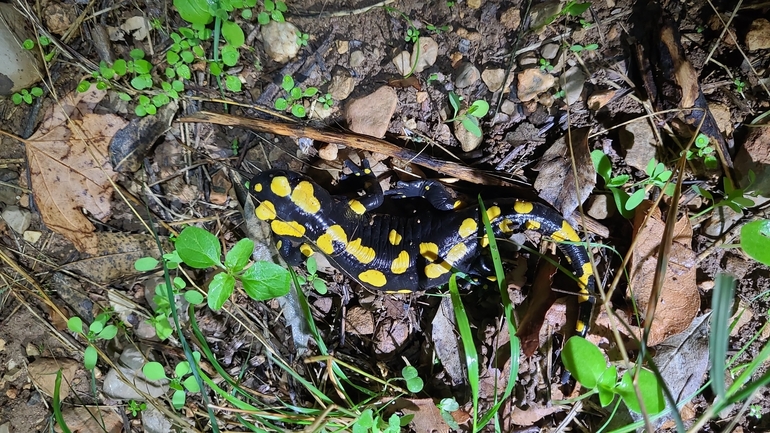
437 29
412 34
703 150
313 279
27 96
470 119
545 65
585 24
98 330
577 48
560 94
571 8
446 406
755 411
302 38
294 97
587 364
179 383
261 281
740 85
326 100
755 238
273 11
134 407
734 198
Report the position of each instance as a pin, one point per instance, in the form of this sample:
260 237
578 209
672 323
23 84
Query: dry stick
358 141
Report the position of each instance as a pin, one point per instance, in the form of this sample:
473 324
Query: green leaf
215 68
170 73
183 71
319 286
472 125
154 371
265 280
606 386
312 265
618 181
109 332
146 264
591 47
480 108
238 256
142 66
230 55
83 86
198 248
635 199
454 101
701 141
17 98
141 82
101 85
711 162
233 34
187 56
650 167
269 5
277 16
298 110
233 83
649 389
136 54
163 327
140 111
160 100
295 93
310 92
247 14
28 44
90 357
75 324
584 360
172 58
755 240
220 289
263 18
575 9
178 399
281 104
177 86
182 369
281 6
120 67
287 83
191 385
194 297
194 11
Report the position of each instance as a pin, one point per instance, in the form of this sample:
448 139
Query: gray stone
17 218
467 75
154 421
601 206
342 84
356 59
280 41
638 140
549 51
575 79
115 388
468 141
427 55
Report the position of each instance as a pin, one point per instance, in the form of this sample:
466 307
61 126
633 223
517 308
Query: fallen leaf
427 417
115 256
69 167
679 300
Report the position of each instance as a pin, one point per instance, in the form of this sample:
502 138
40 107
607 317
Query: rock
527 60
493 78
532 82
721 220
84 419
280 40
329 152
474 4
32 236
154 421
468 141
471 36
17 218
467 76
356 59
638 140
342 46
342 84
391 336
600 98
132 358
721 113
427 55
508 107
403 62
359 321
601 206
575 79
319 111
42 372
19 68
758 37
550 51
58 17
115 388
511 18
370 115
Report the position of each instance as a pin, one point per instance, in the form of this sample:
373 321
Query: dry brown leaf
427 417
69 166
679 300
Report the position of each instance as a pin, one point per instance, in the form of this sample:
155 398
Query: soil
193 174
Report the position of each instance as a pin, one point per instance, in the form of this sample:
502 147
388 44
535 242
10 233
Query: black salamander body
399 254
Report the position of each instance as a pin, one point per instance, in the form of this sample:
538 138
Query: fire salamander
404 254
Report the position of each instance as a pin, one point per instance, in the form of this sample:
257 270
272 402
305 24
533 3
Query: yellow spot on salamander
457 204
265 211
566 233
580 326
291 228
485 241
523 207
326 241
280 186
532 225
435 270
506 226
306 250
373 277
588 271
455 254
394 238
400 264
357 207
429 250
493 212
468 227
278 245
304 197
362 253
258 187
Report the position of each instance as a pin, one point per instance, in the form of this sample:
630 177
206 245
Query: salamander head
287 195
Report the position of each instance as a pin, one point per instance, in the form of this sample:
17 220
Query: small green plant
179 383
27 96
273 11
587 364
470 119
446 406
412 34
43 41
295 96
302 38
437 29
734 198
585 24
134 407
200 249
577 48
313 279
740 85
755 238
755 411
326 100
625 203
433 77
560 94
704 150
98 330
545 65
571 8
